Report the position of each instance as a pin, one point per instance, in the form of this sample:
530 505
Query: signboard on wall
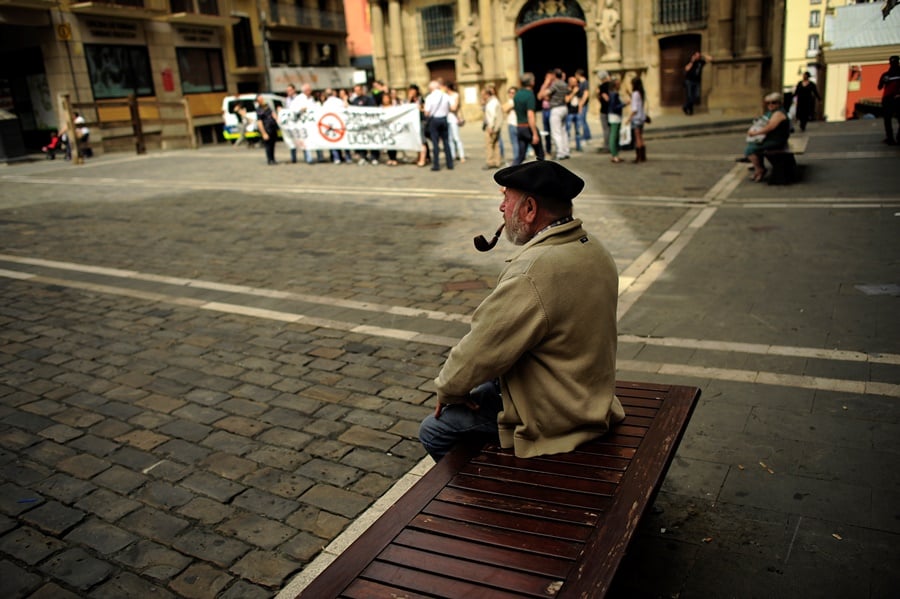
317 77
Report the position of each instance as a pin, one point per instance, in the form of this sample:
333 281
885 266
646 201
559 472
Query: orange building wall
359 29
867 77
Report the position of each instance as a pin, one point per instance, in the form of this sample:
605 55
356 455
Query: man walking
890 99
554 90
493 125
525 105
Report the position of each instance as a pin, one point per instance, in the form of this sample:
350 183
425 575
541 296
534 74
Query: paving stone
12 438
153 560
29 545
229 466
53 517
77 418
336 500
200 581
24 472
265 568
184 429
279 482
107 505
53 591
15 500
366 437
64 488
126 584
211 547
161 403
168 470
242 589
277 457
207 511
77 568
120 479
287 418
133 458
213 486
265 504
230 443
257 530
154 525
325 471
163 495
183 451
143 439
16 581
322 524
100 536
241 426
83 465
285 437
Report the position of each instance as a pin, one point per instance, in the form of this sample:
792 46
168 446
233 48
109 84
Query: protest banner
356 128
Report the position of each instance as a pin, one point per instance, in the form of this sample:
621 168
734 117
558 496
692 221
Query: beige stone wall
744 37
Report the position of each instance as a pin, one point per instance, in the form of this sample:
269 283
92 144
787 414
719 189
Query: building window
671 12
279 52
815 1
201 70
118 71
436 23
813 45
814 16
244 53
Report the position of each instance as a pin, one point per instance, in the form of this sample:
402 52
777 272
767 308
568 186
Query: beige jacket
548 331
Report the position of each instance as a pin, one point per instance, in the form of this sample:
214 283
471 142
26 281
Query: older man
544 339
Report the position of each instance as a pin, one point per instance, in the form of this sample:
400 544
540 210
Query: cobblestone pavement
210 367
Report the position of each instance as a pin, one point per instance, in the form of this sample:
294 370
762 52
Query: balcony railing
197 7
291 15
670 16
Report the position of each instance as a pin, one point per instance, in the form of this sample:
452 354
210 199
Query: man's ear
529 210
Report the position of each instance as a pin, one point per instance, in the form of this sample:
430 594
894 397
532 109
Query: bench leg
784 167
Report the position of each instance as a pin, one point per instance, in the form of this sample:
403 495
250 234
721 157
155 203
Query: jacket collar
550 236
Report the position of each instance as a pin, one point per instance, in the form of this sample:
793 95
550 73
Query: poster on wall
41 102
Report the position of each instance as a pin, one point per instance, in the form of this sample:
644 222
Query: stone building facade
479 42
179 58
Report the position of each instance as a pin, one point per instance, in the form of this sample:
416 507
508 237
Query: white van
248 101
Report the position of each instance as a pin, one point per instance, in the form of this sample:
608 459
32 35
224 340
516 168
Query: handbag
625 140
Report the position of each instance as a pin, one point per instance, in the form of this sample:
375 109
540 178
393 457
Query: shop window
436 24
201 70
119 71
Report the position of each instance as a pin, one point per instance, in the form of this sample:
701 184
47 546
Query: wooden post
136 125
189 120
65 115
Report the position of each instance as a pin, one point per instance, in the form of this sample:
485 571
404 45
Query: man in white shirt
437 107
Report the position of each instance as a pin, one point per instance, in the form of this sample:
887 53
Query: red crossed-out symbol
331 127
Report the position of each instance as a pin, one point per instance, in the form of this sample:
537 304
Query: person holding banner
437 108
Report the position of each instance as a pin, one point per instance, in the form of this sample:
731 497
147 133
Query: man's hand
468 403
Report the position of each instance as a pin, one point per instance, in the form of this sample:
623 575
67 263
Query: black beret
543 178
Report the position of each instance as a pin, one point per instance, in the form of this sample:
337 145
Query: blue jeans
523 134
439 435
582 118
513 141
574 121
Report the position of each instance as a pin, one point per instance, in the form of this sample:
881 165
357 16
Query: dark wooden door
674 53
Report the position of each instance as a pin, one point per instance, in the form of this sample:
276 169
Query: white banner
356 128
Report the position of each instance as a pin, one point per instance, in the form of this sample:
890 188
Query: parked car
231 131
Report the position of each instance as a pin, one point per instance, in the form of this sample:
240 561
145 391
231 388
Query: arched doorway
551 35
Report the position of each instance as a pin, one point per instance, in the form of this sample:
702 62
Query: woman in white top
638 118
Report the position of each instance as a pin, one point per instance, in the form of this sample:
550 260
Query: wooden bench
483 523
784 163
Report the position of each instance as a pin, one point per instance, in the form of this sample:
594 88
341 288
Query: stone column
396 60
382 69
725 36
486 21
753 45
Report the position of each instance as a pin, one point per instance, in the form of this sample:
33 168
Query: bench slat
501 557
367 589
481 573
492 536
528 524
553 481
519 506
432 584
591 501
611 471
